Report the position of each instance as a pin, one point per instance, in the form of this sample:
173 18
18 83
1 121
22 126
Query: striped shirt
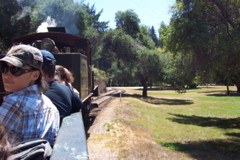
29 114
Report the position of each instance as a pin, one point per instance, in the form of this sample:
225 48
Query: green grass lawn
203 123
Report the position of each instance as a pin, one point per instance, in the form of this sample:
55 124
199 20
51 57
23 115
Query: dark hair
42 84
48 70
4 144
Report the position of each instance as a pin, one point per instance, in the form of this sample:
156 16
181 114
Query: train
74 53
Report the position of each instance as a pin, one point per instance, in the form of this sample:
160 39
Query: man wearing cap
63 97
26 112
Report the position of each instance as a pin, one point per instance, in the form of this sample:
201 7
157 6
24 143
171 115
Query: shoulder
26 99
47 100
48 103
56 89
11 108
56 85
26 92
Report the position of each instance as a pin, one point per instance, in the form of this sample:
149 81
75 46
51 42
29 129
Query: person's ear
36 74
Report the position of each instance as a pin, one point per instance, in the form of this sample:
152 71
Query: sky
150 12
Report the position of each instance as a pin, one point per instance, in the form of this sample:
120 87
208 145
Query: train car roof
69 39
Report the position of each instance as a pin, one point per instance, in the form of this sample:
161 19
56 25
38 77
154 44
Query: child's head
21 67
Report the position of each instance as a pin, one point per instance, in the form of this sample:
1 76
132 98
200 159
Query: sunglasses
16 71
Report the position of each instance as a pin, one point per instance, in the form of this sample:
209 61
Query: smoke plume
48 23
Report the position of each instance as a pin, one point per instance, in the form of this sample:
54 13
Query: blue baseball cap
48 58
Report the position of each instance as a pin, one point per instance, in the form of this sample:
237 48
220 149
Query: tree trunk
228 92
238 87
145 88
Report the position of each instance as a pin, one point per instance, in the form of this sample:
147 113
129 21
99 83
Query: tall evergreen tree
93 19
154 36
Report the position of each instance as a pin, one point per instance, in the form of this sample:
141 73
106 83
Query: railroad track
100 101
107 96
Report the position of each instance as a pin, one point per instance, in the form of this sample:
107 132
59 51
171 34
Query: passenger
26 112
64 99
65 77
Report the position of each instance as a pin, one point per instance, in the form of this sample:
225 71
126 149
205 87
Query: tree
75 17
128 60
148 68
208 31
92 19
128 21
154 36
179 70
116 46
144 39
65 13
116 56
17 18
122 74
163 33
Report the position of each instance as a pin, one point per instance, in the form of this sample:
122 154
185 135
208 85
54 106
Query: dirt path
97 141
113 136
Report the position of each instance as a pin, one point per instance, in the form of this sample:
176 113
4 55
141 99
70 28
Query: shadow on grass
210 149
207 150
166 88
232 94
160 101
223 123
234 134
214 91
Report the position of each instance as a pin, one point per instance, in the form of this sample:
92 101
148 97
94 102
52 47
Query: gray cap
22 55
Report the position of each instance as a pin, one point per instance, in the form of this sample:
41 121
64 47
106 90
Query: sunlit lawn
203 123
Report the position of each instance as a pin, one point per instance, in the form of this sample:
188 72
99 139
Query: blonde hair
64 74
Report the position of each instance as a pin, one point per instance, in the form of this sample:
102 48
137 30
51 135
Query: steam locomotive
74 53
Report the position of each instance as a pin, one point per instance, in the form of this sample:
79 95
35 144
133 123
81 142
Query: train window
67 49
81 51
